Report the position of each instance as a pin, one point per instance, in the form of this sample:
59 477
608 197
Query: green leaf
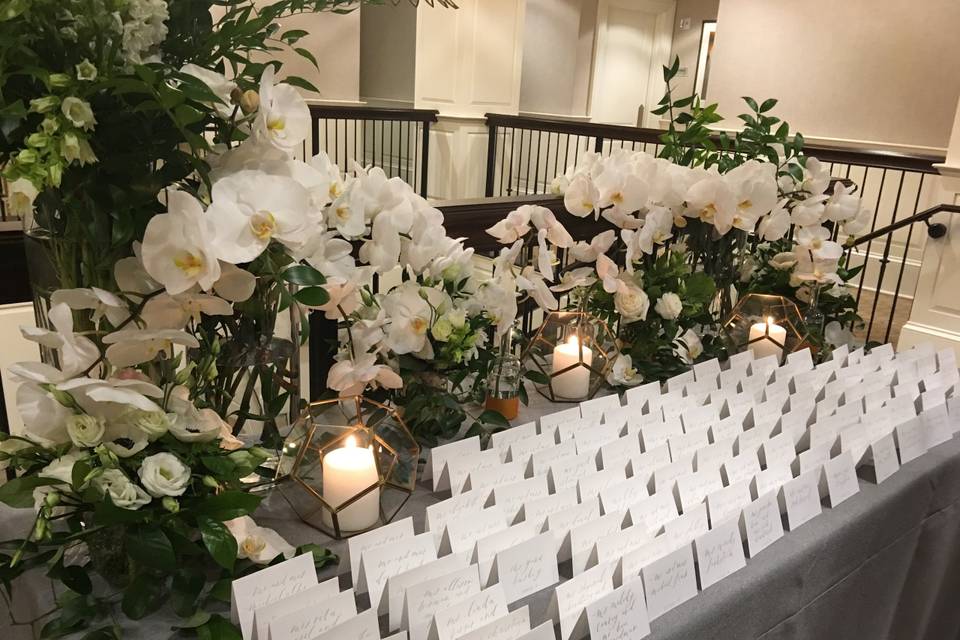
494 417
751 103
227 505
103 633
537 377
145 595
107 514
312 296
303 83
150 547
219 542
321 555
185 591
293 35
304 275
18 493
217 628
309 56
768 104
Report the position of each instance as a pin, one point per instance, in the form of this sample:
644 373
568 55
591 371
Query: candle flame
573 341
769 319
351 441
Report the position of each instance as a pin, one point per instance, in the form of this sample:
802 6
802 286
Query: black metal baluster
883 262
903 262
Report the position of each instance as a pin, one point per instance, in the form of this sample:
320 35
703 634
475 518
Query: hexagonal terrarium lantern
575 351
352 465
766 325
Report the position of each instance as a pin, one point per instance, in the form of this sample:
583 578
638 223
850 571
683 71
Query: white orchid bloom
609 274
331 256
257 544
409 317
251 208
754 186
344 298
235 284
351 377
544 220
131 276
713 202
513 227
775 225
103 303
535 285
382 250
454 264
811 267
218 84
861 223
545 256
842 204
620 190
44 417
581 196
582 277
130 347
657 229
177 250
816 177
174 312
808 211
507 258
76 352
817 240
623 374
283 119
687 346
599 244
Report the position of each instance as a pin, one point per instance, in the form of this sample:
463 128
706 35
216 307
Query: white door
633 42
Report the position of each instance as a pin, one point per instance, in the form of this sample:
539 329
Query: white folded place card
486 479
424 599
590 440
800 499
503 439
310 622
463 533
728 502
437 458
669 580
619 496
665 477
522 450
678 381
654 434
688 443
699 418
512 496
388 534
883 452
597 406
263 616
267 586
719 553
854 439
646 463
397 585
360 627
761 523
380 563
569 430
568 601
742 467
561 522
751 439
713 455
936 424
693 488
653 512
528 567
567 471
911 440
538 509
778 450
707 370
614 546
542 459
770 480
553 419
508 627
813 458
583 538
474 612
618 415
619 615
540 632
840 479
688 526
591 485
638 396
489 547
455 507
459 467
619 452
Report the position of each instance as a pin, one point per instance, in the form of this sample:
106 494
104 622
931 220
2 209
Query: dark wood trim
338 112
923 216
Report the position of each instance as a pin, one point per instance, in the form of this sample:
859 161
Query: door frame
660 53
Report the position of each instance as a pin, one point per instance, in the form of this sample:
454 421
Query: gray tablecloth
883 564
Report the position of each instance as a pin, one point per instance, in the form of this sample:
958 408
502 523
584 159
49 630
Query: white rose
84 430
152 423
78 112
631 303
669 306
164 475
123 493
441 329
783 261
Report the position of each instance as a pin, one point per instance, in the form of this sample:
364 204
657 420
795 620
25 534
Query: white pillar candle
766 339
346 472
575 383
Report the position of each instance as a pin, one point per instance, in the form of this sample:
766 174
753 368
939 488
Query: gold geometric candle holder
766 325
352 465
574 350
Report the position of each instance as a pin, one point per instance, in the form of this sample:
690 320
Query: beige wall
550 36
883 71
686 42
388 53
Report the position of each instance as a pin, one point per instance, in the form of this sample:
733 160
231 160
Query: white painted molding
948 170
338 103
914 333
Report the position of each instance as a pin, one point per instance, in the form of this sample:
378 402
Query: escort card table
883 564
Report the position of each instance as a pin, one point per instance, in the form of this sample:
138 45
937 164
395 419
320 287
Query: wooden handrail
935 230
341 112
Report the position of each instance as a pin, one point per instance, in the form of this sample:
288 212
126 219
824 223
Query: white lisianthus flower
78 112
669 306
163 474
687 346
783 261
22 194
177 250
284 117
219 85
130 347
153 423
258 544
631 302
623 373
441 329
85 431
122 491
351 377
